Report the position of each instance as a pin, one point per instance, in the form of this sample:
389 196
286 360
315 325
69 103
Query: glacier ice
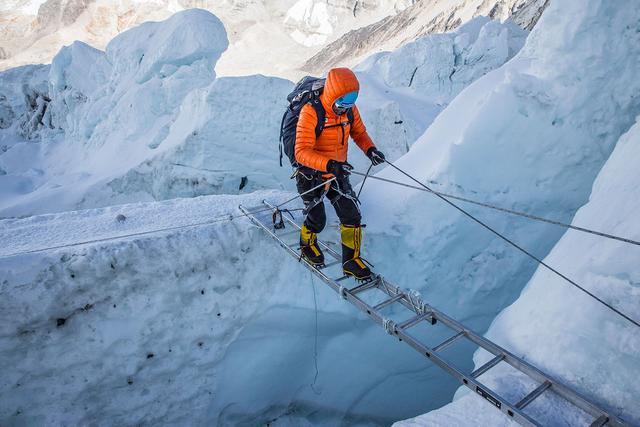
405 89
565 332
575 101
123 321
148 119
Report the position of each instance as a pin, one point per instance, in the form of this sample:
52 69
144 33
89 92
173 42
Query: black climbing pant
345 205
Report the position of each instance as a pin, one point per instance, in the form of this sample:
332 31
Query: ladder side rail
499 402
565 392
314 270
568 394
474 385
521 365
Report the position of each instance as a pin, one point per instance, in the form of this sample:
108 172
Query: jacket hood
340 81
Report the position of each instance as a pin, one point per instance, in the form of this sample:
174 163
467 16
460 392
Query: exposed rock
424 17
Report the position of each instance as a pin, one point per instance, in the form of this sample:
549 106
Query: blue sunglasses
348 100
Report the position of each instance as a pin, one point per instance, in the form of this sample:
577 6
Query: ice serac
148 120
106 113
405 89
231 134
24 95
535 135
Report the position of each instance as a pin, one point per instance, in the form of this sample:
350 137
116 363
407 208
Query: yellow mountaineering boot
352 264
309 248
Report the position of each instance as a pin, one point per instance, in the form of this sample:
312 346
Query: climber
324 156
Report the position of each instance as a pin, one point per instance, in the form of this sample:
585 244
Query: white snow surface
403 91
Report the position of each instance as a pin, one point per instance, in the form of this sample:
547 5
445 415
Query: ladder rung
533 395
413 321
600 421
446 343
490 364
600 416
390 301
288 233
331 264
364 287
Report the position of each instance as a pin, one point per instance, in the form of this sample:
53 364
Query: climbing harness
278 222
366 297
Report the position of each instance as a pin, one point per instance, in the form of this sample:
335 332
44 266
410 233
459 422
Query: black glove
339 169
376 156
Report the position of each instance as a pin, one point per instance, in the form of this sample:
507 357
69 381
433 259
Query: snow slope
563 331
531 136
411 85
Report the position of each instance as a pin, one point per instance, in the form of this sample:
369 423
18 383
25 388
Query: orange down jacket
333 141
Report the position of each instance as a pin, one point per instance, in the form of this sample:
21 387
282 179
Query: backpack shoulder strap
350 115
320 114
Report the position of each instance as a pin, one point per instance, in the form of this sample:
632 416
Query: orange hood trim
340 81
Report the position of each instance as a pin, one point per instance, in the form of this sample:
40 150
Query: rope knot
389 325
415 299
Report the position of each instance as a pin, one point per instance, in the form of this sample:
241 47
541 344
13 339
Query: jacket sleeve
359 132
305 151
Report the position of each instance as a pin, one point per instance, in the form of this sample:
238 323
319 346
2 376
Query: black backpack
306 91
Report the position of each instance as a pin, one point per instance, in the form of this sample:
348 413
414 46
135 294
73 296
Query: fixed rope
501 209
515 245
442 196
221 218
366 175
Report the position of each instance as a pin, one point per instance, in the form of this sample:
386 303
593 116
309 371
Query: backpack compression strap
321 115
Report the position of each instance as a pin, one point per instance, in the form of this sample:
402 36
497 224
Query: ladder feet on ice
424 313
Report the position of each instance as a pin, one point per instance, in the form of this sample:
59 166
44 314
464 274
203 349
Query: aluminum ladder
422 312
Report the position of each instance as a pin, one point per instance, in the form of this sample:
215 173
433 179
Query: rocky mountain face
424 17
55 14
